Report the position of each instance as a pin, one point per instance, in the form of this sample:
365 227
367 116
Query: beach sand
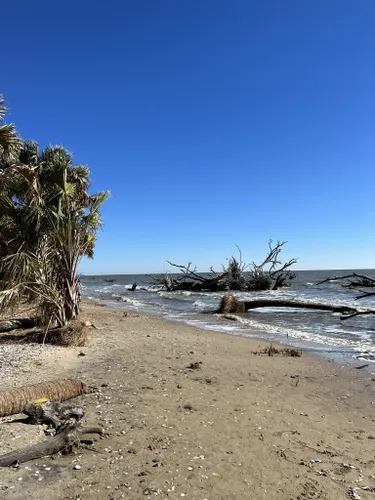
240 426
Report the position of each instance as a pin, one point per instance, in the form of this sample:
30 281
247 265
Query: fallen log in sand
7 325
15 400
62 441
229 305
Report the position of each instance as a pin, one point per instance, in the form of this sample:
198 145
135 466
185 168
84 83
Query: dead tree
353 280
271 273
230 305
272 268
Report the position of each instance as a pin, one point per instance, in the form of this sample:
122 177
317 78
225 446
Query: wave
324 331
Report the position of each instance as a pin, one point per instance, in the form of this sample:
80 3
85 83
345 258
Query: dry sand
241 426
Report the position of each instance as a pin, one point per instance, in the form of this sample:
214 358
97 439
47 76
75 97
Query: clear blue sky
212 122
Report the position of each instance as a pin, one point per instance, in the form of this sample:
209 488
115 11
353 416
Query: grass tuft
271 350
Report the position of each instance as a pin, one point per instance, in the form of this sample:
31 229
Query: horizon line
165 272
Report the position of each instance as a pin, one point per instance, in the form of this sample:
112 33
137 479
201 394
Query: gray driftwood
53 414
230 305
60 442
7 325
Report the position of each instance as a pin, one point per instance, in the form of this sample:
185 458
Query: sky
214 123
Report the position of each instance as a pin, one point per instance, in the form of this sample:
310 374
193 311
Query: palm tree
9 140
54 223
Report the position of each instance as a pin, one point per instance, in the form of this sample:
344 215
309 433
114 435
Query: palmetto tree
48 222
9 140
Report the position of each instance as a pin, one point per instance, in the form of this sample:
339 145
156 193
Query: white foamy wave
200 305
361 345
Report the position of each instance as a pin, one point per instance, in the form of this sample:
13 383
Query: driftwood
237 275
15 400
229 305
359 281
60 442
8 325
53 413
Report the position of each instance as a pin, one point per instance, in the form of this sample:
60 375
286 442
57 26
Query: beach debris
63 441
353 493
14 401
14 324
229 305
236 275
196 365
360 367
53 413
360 281
75 333
149 491
187 407
271 350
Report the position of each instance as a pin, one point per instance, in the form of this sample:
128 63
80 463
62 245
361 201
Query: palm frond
50 222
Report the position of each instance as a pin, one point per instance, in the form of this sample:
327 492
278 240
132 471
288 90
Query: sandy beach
197 415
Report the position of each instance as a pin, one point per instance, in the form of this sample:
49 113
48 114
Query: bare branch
236 275
357 313
364 280
364 294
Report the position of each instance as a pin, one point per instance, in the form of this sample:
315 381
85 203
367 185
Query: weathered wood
62 441
7 325
230 305
236 276
15 400
360 281
254 304
53 414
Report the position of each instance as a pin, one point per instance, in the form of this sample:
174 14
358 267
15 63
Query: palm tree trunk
15 400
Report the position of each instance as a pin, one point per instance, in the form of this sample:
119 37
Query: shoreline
266 427
339 355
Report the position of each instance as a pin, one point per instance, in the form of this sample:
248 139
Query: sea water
321 331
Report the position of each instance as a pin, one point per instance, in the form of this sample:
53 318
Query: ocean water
323 332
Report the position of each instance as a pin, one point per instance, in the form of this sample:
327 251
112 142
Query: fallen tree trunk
8 325
62 441
229 305
15 400
254 304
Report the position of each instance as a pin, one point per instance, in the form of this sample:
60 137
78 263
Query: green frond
48 222
9 140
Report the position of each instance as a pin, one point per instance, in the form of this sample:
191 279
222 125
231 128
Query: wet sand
196 414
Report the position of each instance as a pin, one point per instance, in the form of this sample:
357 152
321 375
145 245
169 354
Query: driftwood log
229 305
7 325
60 442
15 400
